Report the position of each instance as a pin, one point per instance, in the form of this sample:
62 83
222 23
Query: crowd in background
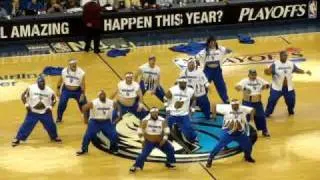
15 8
34 7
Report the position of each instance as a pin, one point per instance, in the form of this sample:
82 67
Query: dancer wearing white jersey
212 59
100 119
71 85
198 81
39 100
180 101
282 85
129 97
235 128
154 132
149 74
252 88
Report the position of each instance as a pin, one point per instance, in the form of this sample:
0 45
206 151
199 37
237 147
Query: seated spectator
3 11
54 6
72 4
149 4
16 11
34 7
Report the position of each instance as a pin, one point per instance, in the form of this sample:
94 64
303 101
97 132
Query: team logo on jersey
208 135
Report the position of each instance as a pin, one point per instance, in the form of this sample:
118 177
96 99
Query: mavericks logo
130 147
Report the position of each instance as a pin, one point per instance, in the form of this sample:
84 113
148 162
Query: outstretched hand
309 72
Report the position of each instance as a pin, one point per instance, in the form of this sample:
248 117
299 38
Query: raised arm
226 51
240 86
137 74
113 95
300 71
167 98
269 71
200 57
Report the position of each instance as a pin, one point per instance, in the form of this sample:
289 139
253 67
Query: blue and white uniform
198 81
35 96
181 116
255 88
235 128
154 127
101 120
74 79
130 91
214 59
150 80
282 85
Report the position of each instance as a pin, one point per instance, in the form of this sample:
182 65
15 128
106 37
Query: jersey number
198 88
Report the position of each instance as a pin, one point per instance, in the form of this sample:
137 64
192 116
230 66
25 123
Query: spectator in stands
54 6
3 11
16 11
149 3
93 23
34 7
71 4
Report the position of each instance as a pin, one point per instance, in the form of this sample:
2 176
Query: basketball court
292 152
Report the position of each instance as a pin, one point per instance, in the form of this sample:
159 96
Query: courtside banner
244 13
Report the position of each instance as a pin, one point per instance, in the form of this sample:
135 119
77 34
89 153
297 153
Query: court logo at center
130 146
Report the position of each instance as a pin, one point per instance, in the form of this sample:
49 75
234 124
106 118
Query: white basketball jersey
128 90
231 116
280 72
254 86
154 127
180 95
197 80
150 76
37 95
71 78
100 110
212 56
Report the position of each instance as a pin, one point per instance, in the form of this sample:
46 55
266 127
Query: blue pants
148 147
289 97
64 98
30 122
107 128
133 110
159 90
259 117
215 75
226 138
204 104
183 122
